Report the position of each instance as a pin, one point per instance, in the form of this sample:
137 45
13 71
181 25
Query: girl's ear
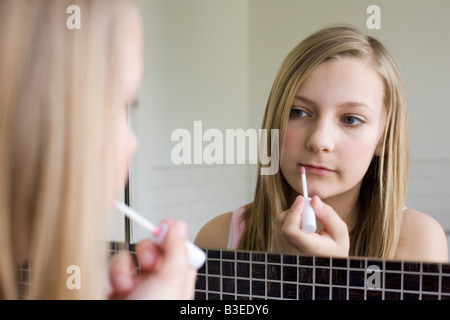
379 148
381 142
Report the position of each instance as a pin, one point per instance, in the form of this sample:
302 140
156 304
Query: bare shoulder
421 238
214 234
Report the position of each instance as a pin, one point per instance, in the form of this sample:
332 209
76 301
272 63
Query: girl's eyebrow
306 100
342 105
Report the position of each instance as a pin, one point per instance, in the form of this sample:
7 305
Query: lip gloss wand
196 256
309 216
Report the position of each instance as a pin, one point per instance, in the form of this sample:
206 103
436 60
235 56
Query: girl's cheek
358 147
292 138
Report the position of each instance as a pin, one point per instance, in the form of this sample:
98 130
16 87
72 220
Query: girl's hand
165 273
288 237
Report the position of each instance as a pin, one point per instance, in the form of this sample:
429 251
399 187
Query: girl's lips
320 171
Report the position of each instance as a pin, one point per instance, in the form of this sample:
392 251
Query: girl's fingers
175 245
122 271
332 240
332 223
286 228
165 272
177 259
147 254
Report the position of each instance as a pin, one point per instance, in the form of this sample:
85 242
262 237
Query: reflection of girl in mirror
340 106
64 149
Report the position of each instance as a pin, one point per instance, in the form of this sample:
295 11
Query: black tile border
245 275
260 275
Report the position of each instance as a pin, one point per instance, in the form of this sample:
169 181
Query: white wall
196 55
215 61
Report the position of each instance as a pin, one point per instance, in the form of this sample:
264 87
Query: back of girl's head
345 42
58 112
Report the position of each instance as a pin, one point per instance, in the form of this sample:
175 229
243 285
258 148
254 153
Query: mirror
211 65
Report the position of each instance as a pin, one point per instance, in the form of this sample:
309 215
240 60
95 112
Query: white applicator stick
196 256
309 216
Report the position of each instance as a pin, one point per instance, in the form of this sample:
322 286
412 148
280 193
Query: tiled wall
244 275
240 275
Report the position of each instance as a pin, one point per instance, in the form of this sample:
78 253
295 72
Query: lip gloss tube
309 216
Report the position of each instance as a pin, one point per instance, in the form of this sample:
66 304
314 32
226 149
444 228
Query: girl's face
133 74
335 124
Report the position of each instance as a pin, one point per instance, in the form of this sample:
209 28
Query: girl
340 106
64 149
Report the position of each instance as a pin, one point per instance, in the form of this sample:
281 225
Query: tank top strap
237 225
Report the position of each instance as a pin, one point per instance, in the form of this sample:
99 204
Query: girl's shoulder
214 234
421 238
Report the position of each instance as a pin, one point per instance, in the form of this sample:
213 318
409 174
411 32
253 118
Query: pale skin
335 125
165 271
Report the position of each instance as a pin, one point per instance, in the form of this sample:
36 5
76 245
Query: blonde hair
383 191
59 107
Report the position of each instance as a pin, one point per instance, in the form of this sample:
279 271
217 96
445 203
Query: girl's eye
297 113
351 121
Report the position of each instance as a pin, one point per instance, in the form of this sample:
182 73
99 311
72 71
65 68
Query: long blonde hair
59 108
383 191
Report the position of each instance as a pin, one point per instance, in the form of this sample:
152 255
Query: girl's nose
320 137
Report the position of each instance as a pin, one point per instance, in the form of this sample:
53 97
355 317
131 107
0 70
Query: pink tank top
237 226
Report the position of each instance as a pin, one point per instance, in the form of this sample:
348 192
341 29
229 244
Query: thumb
176 264
175 250
294 215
